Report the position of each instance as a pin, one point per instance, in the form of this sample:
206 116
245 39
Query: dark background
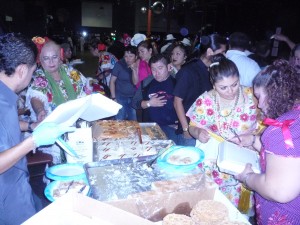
258 18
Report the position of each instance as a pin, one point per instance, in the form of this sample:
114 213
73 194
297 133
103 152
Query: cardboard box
77 209
155 207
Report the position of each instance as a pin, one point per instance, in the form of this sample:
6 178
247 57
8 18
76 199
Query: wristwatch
148 104
185 129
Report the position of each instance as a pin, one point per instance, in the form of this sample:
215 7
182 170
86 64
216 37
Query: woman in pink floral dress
226 110
277 188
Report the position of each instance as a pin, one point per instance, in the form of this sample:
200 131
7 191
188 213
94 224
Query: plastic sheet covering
118 179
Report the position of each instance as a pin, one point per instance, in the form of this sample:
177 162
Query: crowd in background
192 88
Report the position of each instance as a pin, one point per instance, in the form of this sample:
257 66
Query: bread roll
209 212
177 219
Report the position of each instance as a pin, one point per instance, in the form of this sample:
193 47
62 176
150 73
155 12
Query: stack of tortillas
177 219
205 212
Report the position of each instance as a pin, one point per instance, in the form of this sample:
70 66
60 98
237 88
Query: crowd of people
193 90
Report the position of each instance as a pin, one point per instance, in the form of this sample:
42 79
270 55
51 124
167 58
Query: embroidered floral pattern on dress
41 84
204 113
241 118
276 218
228 185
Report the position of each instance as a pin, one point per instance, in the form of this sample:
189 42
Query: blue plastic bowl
167 160
68 171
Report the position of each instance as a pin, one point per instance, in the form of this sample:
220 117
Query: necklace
231 110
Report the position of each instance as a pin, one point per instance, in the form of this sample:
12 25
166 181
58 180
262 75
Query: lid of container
68 171
180 158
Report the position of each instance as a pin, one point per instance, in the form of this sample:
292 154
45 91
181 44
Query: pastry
177 219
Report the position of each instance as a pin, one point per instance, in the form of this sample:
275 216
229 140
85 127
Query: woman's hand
201 134
244 140
41 115
170 67
243 176
156 101
134 66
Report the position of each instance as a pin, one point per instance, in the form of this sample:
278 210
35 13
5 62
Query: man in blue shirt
17 63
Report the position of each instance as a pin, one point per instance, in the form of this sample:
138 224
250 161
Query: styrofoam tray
232 158
90 108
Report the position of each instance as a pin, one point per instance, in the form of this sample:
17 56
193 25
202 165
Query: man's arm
181 115
112 86
10 157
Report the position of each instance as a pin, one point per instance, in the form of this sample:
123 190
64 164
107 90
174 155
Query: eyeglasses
48 59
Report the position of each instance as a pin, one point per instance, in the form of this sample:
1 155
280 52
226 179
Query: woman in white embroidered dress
226 110
53 84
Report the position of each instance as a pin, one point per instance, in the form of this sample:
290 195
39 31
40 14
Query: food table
119 170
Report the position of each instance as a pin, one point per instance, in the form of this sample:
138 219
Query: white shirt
247 67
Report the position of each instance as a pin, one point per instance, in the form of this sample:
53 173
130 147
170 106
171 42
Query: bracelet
245 180
29 128
253 141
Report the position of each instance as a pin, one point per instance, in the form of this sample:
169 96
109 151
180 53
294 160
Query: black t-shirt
165 115
192 80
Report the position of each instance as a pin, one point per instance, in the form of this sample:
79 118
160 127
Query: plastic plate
180 158
68 171
75 187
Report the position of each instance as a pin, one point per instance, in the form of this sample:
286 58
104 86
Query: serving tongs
82 189
235 134
152 161
69 186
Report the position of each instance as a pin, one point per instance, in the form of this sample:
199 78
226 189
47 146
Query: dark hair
158 57
281 83
16 49
182 47
213 41
297 47
65 46
94 43
131 49
239 40
222 67
146 44
262 47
